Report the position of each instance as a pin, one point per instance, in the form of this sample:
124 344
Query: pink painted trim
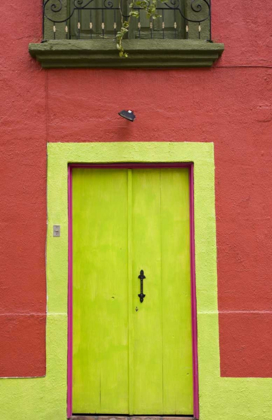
131 165
192 262
193 297
70 296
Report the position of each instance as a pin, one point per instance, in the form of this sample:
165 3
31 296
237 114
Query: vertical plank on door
100 290
147 324
162 325
176 292
130 298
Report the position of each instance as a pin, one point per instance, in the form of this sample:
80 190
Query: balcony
82 33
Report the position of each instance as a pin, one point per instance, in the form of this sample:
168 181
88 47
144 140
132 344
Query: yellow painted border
60 154
220 398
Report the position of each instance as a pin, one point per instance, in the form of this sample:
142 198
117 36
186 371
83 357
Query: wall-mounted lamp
128 115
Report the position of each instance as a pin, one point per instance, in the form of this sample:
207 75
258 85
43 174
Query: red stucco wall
229 105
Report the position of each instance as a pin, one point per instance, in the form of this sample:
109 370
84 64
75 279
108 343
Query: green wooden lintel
163 53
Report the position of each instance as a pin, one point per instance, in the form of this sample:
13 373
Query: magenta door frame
192 262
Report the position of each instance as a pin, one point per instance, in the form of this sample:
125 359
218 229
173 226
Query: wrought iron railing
98 19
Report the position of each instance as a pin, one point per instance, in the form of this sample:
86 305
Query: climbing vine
149 6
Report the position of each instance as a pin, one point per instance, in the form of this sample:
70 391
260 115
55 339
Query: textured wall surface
230 105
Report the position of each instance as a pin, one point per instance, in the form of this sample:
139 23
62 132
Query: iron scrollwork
197 7
57 8
61 11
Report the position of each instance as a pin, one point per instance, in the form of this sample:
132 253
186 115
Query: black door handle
142 277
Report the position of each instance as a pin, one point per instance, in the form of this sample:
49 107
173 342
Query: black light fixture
128 115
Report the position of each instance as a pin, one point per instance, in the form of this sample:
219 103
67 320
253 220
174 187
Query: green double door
131 357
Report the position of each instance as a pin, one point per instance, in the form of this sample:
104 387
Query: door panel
131 357
147 322
162 325
176 292
100 289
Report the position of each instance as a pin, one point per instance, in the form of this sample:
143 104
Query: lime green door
131 357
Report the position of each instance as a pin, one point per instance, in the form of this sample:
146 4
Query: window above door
82 33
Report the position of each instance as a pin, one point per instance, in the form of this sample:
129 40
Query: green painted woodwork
162 350
111 16
100 290
131 357
48 32
171 52
202 14
86 16
152 53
